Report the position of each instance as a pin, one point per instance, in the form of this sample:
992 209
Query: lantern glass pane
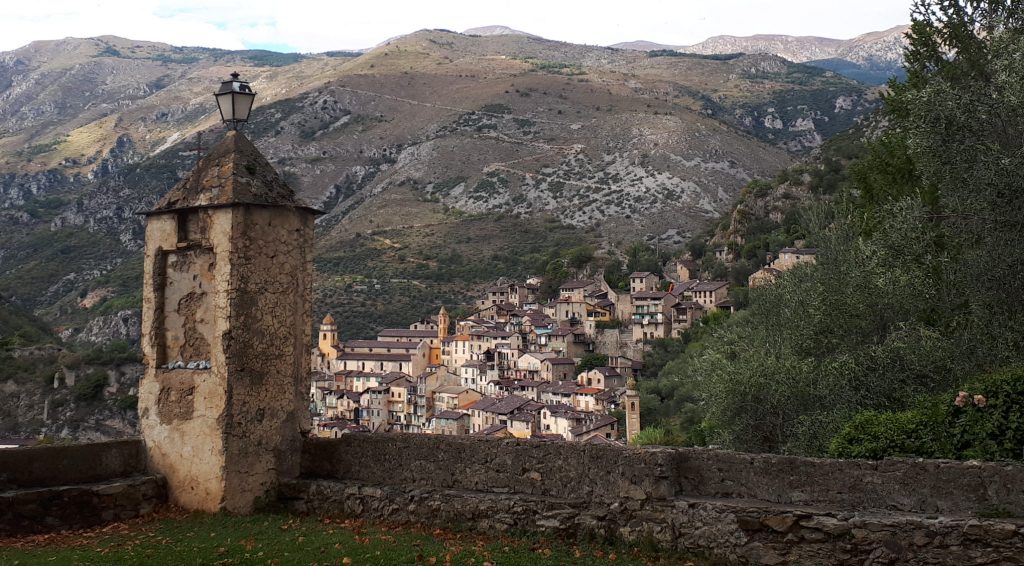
225 103
242 105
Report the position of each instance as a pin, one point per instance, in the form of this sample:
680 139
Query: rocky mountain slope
870 57
403 147
496 30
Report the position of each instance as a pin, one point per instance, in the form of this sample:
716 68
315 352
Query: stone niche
187 305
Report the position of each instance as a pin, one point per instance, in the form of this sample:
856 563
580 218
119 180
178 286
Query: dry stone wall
740 508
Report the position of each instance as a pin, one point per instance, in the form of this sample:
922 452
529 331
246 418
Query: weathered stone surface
693 526
50 509
779 523
488 485
227 300
604 472
233 172
47 466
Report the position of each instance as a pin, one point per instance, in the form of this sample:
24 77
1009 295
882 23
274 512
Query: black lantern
234 99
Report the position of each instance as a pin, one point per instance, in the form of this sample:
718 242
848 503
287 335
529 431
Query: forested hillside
906 337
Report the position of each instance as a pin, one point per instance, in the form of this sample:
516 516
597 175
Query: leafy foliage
90 387
591 361
111 354
915 263
655 436
985 421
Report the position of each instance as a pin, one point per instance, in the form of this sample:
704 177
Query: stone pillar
631 402
226 317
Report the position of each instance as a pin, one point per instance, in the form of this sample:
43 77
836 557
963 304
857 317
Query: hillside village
565 369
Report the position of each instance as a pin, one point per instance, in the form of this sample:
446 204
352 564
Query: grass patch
174 537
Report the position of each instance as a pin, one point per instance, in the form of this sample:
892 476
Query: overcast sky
322 25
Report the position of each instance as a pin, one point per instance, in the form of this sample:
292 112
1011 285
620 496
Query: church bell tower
631 402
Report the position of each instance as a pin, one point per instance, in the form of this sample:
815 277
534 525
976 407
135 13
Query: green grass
182 539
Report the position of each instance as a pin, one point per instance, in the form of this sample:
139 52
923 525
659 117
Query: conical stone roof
233 172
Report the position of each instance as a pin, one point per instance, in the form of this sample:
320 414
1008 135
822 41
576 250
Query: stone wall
54 488
730 506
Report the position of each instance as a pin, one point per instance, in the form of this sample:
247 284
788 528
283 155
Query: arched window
632 405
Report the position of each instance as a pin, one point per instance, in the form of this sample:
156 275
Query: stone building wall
237 291
177 405
743 508
270 301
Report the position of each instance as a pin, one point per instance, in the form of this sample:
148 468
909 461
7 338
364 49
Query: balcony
648 318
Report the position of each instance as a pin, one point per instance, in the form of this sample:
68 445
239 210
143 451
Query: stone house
567 310
557 369
687 269
583 399
626 366
450 423
495 431
651 315
601 378
557 393
764 276
575 290
495 295
789 257
473 374
710 293
560 419
569 342
453 397
641 281
530 365
684 315
523 425
490 411
604 426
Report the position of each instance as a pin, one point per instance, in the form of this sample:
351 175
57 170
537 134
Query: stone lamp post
226 319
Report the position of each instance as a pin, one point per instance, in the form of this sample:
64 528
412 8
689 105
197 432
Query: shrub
591 361
114 353
90 387
983 421
656 436
614 324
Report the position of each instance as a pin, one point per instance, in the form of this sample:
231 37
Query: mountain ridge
871 56
400 145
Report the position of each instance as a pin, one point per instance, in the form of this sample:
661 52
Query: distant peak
496 30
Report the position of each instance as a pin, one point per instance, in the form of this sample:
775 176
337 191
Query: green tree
591 361
910 291
642 257
614 274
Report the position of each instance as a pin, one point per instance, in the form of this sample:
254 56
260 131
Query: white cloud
319 25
